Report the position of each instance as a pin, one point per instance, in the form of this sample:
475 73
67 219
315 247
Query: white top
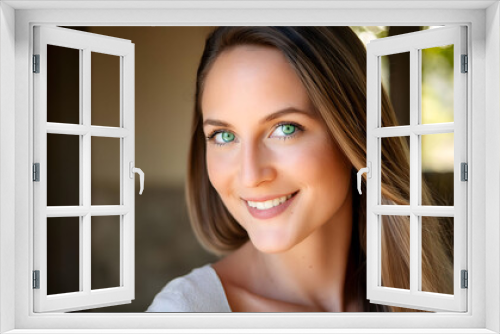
199 291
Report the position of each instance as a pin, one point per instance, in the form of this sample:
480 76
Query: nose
256 165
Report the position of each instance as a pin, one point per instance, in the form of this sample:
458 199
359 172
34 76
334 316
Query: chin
272 246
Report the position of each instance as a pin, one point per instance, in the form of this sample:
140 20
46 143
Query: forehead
254 79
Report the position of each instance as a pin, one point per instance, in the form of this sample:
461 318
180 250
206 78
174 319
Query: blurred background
166 60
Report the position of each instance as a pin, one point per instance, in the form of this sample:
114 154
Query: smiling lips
270 208
269 204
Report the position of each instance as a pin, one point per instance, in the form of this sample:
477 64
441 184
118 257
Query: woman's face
268 156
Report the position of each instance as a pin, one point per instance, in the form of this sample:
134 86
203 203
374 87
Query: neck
313 272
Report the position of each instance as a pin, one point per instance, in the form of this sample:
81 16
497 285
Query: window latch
368 171
133 170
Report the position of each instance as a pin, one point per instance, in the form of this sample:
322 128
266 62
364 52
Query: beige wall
165 72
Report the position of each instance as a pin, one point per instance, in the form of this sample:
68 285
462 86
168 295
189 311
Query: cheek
213 166
221 170
323 169
218 168
336 174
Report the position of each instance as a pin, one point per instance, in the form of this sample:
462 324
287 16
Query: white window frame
16 125
413 44
85 43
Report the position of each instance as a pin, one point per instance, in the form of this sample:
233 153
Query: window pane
437 169
395 73
437 84
105 252
395 251
63 170
63 255
395 169
105 90
437 254
105 171
63 85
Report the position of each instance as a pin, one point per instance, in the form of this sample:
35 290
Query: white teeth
269 204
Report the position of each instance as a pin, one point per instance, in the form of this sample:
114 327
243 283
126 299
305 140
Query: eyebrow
277 114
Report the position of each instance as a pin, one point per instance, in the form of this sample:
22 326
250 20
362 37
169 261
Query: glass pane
105 171
63 255
395 73
395 169
63 170
395 251
437 84
105 90
437 169
437 254
105 252
63 85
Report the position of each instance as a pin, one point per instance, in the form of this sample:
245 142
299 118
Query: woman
279 132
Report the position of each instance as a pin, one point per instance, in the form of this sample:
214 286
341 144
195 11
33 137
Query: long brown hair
331 64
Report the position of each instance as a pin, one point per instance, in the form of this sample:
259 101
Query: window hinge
465 64
36 63
464 171
36 172
36 279
465 279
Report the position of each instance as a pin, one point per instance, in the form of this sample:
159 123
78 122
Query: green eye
288 129
227 137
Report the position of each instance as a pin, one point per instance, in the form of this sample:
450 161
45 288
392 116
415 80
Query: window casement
17 20
418 209
86 131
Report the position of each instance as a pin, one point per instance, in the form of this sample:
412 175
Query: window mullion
414 170
80 211
421 129
85 274
81 171
423 210
418 191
